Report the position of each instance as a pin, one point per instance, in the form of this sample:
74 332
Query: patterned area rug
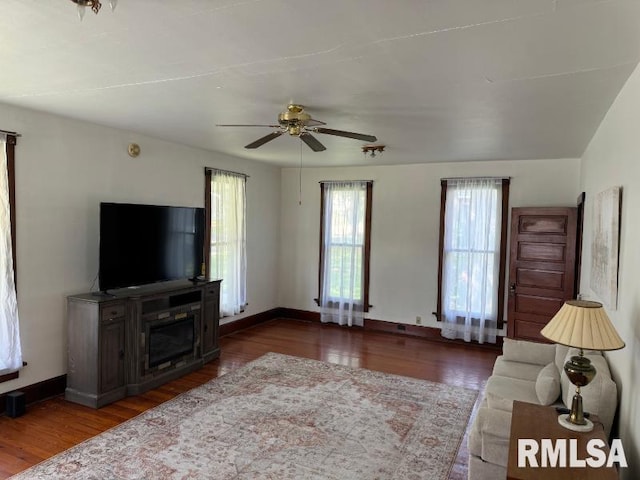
282 417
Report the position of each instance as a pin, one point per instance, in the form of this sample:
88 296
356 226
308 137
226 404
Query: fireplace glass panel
170 340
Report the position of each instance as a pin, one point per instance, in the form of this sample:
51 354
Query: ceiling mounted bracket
372 149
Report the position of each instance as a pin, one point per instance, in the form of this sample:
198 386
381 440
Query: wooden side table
538 422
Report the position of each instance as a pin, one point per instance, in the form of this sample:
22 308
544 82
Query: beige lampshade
583 324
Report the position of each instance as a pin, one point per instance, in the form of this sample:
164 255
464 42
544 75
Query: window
10 349
473 230
345 233
226 257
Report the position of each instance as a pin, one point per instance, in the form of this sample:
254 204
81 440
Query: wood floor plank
55 425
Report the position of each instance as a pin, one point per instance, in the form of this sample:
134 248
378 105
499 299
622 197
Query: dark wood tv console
135 339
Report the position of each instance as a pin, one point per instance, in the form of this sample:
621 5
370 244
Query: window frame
366 254
11 177
11 174
504 223
209 172
206 254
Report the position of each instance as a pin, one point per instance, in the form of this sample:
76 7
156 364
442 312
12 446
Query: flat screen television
141 244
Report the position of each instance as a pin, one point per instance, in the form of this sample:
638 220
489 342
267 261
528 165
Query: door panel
541 267
542 252
538 305
528 330
543 224
111 355
532 278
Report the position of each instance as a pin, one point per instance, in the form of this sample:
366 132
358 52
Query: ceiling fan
298 123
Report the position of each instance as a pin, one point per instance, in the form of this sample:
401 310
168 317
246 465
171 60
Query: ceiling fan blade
312 122
342 133
236 125
312 142
263 140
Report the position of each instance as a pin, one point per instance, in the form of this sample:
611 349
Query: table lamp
584 325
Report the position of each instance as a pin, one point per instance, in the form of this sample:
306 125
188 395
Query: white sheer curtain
10 350
342 289
471 259
228 258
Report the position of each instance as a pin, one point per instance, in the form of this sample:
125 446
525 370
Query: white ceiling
438 80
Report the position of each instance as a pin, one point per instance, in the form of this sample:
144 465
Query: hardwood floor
54 425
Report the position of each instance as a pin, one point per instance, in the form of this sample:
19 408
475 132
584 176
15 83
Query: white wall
613 158
64 169
405 225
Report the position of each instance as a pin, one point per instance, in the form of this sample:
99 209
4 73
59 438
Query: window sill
11 376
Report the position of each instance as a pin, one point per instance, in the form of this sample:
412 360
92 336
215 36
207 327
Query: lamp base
564 421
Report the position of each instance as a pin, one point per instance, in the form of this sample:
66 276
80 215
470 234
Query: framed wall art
604 245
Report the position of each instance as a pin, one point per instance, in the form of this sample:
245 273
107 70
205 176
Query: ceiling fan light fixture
94 5
372 149
295 130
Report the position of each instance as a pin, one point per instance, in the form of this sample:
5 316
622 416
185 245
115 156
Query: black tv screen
141 244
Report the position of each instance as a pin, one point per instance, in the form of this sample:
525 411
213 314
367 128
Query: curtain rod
208 169
7 132
344 181
475 178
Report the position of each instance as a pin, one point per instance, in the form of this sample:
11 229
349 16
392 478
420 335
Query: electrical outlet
418 320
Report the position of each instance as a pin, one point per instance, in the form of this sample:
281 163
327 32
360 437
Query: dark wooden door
541 267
